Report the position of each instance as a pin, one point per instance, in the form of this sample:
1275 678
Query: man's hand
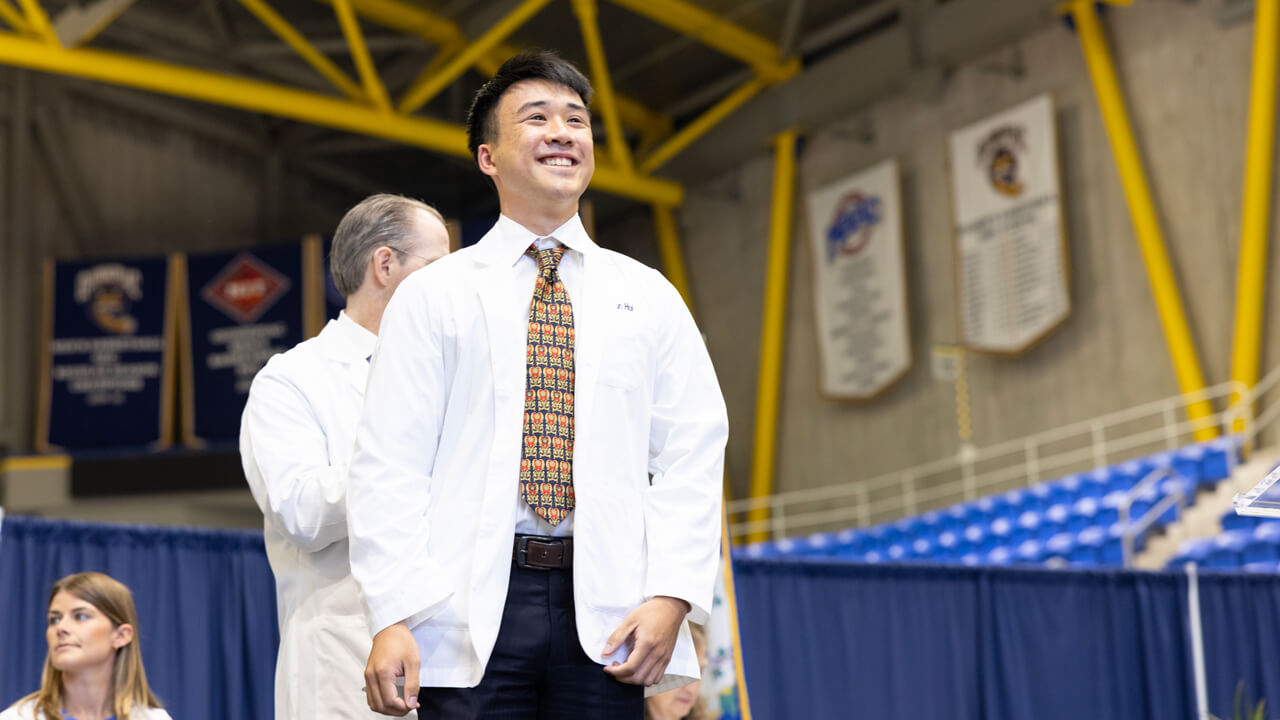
394 654
650 631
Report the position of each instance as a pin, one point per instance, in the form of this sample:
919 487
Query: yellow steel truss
367 108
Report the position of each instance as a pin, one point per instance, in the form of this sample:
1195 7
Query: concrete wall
1186 79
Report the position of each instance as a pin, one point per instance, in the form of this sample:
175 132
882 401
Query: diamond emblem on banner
245 288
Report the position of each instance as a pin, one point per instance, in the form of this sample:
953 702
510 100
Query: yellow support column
587 19
664 223
1164 286
771 331
1256 216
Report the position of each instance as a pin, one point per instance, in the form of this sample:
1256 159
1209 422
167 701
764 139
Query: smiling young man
534 503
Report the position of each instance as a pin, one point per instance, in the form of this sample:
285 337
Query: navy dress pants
538 670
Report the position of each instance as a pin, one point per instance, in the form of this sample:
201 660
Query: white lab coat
431 507
296 438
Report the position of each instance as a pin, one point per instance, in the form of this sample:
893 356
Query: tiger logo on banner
1000 154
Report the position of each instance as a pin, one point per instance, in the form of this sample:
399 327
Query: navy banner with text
243 308
107 356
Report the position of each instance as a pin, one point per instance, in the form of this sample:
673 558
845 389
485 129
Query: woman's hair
699 710
128 680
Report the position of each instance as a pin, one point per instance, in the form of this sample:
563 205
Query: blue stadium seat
1058 513
1220 458
1000 532
1030 552
1186 463
971 558
1263 544
1000 556
922 549
1231 520
1086 556
948 545
1127 474
1195 550
1228 549
1059 546
1038 497
1261 567
933 523
1084 514
1027 527
957 518
1065 491
897 552
1108 547
1018 501
975 534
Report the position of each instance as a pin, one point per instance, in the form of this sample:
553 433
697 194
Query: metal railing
1135 529
1079 447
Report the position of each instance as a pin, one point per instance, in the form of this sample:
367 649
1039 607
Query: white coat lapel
591 331
507 336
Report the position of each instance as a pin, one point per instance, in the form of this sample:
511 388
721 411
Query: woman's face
80 636
674 703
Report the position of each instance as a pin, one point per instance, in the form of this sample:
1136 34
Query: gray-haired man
296 439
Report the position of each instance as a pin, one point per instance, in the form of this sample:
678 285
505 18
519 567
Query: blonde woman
94 669
683 703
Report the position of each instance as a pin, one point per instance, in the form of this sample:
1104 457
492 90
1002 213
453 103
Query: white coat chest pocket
625 359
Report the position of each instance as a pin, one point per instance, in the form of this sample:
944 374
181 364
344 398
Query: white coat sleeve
389 487
284 450
689 427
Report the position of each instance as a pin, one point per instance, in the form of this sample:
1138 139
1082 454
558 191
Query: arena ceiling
358 89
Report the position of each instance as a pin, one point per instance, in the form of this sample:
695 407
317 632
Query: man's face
543 150
430 243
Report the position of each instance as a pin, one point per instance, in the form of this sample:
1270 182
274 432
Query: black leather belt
538 552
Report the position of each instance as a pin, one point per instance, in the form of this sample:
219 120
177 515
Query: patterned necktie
546 460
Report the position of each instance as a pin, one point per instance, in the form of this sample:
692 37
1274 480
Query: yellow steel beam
444 55
38 20
712 31
771 330
280 101
587 19
664 224
422 93
305 49
1256 216
13 17
1164 285
373 88
405 17
439 30
700 125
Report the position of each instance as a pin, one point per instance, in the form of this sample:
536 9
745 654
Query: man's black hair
531 65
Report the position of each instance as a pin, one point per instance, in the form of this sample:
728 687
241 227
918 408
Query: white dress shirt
432 497
296 439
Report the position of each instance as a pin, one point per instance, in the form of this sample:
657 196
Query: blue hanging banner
107 357
333 300
243 307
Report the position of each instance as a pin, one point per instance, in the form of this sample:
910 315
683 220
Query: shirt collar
512 238
350 340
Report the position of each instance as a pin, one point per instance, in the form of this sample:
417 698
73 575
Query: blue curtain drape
835 640
206 607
